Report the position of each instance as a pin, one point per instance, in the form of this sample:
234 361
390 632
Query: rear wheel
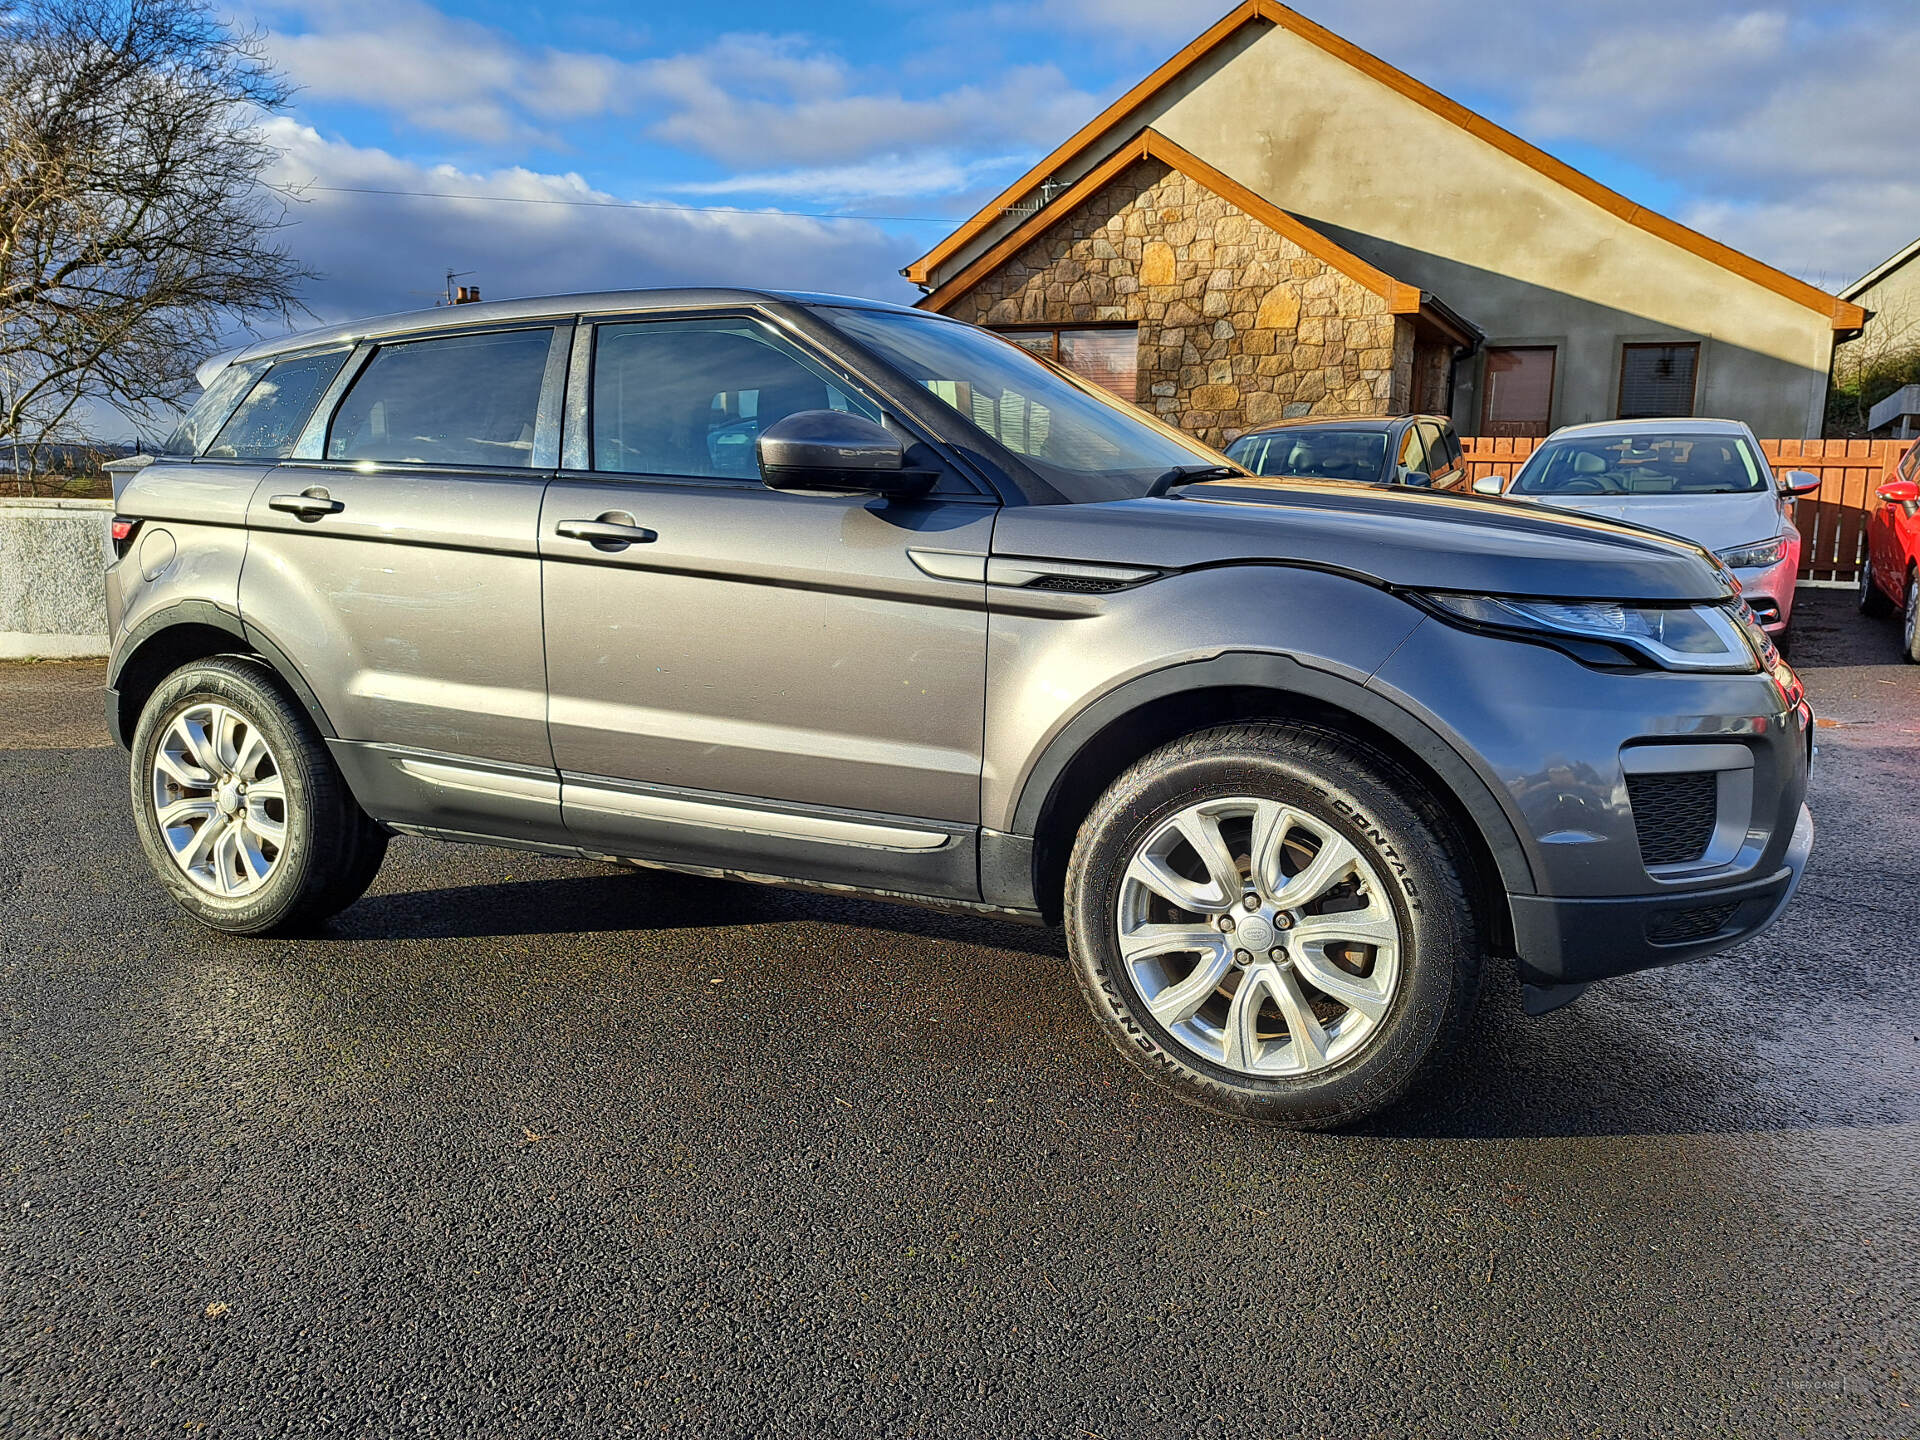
1874 603
239 807
1264 920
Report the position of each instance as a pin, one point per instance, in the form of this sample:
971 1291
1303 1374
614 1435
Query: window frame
311 448
1552 350
1010 332
1693 382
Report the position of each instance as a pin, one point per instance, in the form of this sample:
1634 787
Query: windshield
1677 464
1089 445
1324 454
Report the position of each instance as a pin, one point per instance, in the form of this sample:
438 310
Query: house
1276 223
1890 342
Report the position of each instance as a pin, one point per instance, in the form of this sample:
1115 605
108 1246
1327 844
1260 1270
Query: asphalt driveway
534 1147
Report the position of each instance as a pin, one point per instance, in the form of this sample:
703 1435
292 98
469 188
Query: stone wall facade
1238 325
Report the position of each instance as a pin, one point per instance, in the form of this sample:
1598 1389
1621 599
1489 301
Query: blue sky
699 129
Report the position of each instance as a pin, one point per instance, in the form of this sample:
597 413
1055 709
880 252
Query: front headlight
1681 637
1756 556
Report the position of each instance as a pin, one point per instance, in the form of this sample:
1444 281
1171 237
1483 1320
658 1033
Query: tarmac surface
522 1146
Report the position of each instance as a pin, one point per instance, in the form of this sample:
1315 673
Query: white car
1703 480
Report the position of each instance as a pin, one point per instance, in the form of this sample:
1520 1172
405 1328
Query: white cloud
888 176
380 253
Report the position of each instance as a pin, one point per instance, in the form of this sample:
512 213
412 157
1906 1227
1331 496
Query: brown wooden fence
1832 521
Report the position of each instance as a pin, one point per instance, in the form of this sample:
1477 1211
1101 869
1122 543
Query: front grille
1674 814
1676 927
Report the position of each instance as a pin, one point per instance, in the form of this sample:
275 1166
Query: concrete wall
53 558
1515 252
1895 326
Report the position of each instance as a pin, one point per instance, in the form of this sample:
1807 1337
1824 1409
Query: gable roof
1843 314
1401 299
1880 272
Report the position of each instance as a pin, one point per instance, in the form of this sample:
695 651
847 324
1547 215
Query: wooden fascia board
1401 298
1843 314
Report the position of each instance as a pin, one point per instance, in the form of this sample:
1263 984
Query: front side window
1413 453
689 398
1084 442
454 400
1657 380
1676 464
270 419
1315 454
210 411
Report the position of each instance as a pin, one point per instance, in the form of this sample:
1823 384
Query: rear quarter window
270 419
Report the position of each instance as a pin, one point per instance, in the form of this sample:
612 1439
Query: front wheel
1265 920
1910 622
240 808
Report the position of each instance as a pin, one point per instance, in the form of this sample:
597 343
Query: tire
262 835
1287 1051
1910 620
1874 603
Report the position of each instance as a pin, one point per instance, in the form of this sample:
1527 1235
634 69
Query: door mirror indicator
1799 482
838 453
1488 485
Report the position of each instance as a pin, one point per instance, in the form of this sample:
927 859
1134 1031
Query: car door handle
614 530
308 505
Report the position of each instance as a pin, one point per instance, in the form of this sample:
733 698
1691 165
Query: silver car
1707 481
838 594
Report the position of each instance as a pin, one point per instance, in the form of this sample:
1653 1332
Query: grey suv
844 595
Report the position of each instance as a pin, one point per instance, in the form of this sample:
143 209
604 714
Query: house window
1657 380
1519 390
1109 355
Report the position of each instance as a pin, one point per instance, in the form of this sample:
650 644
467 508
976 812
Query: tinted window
270 419
210 411
1316 453
1413 453
691 397
1436 446
1643 465
1080 439
1518 390
459 400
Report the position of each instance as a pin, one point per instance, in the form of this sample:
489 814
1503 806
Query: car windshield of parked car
1087 444
1677 464
1320 454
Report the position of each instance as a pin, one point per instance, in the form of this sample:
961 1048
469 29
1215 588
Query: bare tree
134 225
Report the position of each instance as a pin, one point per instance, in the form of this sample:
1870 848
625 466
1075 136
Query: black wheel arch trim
1283 673
206 613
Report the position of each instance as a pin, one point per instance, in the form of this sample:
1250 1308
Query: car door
394 559
789 684
1884 524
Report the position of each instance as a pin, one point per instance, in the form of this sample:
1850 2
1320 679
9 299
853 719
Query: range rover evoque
836 593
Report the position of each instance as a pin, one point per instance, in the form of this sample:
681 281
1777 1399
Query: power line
621 205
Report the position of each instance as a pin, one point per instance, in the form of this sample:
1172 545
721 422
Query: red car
1891 577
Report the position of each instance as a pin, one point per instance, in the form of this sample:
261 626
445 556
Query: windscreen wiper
1188 474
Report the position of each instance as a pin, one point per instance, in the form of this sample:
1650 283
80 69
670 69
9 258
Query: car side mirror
1899 492
1488 485
1799 482
838 453
1420 479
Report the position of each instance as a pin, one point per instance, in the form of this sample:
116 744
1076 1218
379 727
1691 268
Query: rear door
785 683
394 559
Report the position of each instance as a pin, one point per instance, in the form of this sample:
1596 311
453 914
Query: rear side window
210 411
270 419
454 400
690 398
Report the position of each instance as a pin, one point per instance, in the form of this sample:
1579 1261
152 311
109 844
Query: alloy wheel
220 800
1911 625
1259 937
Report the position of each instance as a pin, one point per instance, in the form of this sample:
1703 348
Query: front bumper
1573 942
1770 591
